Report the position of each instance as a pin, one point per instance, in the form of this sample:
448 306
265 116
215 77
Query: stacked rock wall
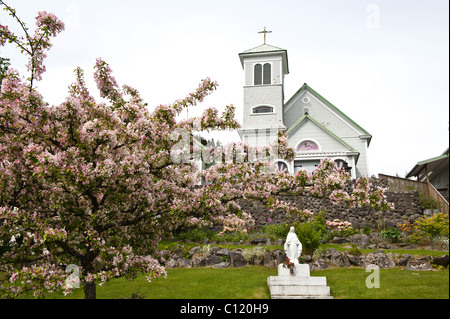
406 209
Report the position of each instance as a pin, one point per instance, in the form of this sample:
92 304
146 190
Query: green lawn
350 283
251 283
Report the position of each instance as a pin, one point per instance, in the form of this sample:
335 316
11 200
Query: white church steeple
264 69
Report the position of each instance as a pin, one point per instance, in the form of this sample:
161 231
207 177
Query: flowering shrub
327 178
196 222
340 228
257 252
205 250
406 228
234 223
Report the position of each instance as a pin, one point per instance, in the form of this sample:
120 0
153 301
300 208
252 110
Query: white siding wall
271 95
309 130
329 119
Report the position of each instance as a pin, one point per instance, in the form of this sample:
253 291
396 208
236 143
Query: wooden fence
398 184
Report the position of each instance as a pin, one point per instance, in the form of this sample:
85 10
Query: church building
316 129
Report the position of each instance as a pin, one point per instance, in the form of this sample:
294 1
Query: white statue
293 246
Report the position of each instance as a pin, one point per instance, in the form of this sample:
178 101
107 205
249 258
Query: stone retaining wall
218 257
406 209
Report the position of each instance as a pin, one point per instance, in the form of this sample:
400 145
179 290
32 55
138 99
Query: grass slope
251 283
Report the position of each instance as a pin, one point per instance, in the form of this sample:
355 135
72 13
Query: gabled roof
264 49
432 165
334 108
326 130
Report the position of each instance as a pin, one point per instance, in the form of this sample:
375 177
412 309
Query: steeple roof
266 49
263 48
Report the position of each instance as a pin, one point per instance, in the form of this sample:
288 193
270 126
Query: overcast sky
383 63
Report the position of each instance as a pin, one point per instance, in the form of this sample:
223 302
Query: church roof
266 48
263 48
312 119
342 114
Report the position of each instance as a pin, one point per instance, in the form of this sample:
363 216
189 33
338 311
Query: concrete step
300 290
296 287
296 281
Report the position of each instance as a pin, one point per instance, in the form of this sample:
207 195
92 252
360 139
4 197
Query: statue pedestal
300 285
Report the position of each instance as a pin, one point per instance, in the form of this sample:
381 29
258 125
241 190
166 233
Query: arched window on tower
267 73
258 74
262 109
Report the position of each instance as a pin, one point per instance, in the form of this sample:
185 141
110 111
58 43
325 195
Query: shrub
275 231
418 237
366 230
407 227
427 202
308 236
339 228
355 250
195 235
230 237
434 226
257 252
319 221
393 235
205 250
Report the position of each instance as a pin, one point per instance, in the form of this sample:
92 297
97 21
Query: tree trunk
90 290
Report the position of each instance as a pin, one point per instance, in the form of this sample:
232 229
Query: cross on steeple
265 34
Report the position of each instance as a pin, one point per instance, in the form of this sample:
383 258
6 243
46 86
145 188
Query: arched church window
262 109
282 167
258 74
267 73
307 146
340 163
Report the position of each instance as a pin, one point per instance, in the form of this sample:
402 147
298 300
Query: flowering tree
93 186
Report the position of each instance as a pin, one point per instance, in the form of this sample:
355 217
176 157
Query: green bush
197 235
366 230
230 237
393 235
319 222
308 236
434 226
257 252
275 231
355 250
418 237
427 202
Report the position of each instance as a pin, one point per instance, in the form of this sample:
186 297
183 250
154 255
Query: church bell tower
264 69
